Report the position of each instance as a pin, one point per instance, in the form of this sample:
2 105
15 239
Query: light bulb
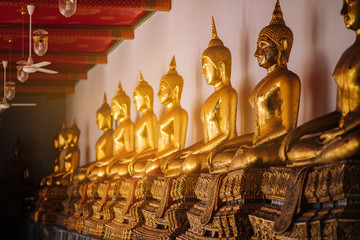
10 90
21 75
40 41
67 7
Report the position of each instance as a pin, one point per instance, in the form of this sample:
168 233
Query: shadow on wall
317 76
246 115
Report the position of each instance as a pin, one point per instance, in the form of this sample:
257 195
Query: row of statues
156 147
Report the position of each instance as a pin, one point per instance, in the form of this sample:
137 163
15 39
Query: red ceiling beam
148 5
59 58
77 33
53 77
37 89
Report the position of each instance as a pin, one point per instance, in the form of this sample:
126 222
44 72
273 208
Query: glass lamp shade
10 90
40 39
67 7
21 75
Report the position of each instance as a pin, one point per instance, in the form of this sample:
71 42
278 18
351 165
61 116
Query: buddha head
73 134
120 105
274 42
62 136
143 95
103 116
171 86
351 13
216 60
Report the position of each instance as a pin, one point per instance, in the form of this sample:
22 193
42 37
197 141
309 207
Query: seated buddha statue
58 149
123 141
171 126
218 113
275 99
72 156
338 133
104 145
145 128
59 169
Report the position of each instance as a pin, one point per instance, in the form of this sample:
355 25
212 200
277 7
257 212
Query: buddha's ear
222 70
283 44
147 101
175 93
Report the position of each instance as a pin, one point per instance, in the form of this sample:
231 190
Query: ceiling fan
30 67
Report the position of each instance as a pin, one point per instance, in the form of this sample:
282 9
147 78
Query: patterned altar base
324 205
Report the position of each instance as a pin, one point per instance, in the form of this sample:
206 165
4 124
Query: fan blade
47 71
41 64
29 69
23 104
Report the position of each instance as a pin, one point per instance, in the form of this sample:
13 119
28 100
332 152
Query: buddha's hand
331 135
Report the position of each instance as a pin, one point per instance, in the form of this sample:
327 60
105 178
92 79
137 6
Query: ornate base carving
165 215
330 207
225 202
134 195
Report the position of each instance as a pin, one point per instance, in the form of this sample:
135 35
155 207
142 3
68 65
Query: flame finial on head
119 86
105 99
141 77
173 64
215 40
277 16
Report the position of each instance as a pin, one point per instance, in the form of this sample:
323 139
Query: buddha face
266 52
100 121
210 71
62 140
164 93
139 102
351 13
117 111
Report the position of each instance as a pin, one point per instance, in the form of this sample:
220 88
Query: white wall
320 38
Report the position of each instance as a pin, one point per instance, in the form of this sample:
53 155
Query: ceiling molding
73 33
148 5
60 58
43 89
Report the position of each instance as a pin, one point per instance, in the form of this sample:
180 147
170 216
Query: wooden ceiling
76 44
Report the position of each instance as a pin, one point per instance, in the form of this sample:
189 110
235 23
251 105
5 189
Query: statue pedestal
134 195
50 204
225 200
328 203
165 215
83 208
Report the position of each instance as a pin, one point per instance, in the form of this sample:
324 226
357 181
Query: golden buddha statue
60 144
341 139
145 128
72 156
218 113
275 99
123 141
104 145
171 126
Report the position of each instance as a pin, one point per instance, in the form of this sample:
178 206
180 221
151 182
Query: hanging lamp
67 7
40 38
